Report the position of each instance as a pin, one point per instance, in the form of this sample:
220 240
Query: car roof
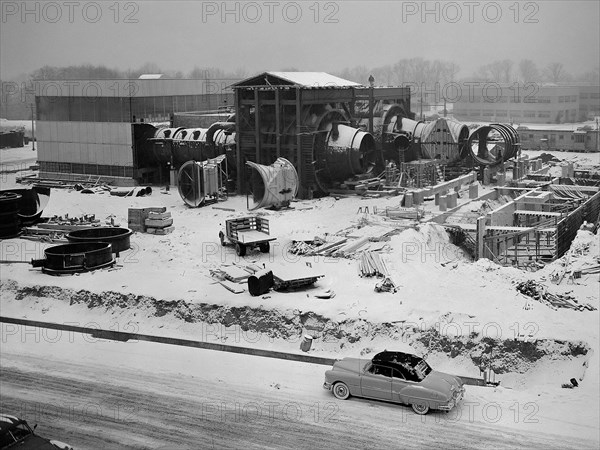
394 358
8 422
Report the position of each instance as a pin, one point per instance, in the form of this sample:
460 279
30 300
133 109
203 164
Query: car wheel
341 391
420 408
264 247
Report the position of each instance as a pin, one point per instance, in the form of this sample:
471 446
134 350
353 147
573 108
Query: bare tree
528 71
555 72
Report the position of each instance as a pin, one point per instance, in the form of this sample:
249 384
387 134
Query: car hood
442 382
350 364
35 442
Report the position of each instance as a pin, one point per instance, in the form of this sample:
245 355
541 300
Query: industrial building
560 138
85 128
527 103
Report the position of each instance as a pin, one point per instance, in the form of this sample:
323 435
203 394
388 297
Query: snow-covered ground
439 288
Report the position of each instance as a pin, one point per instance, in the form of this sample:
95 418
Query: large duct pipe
340 151
490 145
210 133
276 185
189 135
350 151
199 180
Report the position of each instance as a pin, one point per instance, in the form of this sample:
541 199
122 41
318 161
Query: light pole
32 129
597 135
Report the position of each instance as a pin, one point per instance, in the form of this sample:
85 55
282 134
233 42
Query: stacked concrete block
155 220
159 223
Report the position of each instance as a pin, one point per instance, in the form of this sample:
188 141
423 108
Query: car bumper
452 403
327 386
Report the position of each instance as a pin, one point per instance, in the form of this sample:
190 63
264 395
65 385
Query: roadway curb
123 337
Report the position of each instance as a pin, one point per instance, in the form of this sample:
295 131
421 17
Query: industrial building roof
300 79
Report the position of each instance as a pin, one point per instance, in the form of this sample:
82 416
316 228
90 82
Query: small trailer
247 232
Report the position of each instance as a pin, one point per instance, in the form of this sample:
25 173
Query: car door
376 382
399 383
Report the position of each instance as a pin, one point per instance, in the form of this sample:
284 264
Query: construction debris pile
260 280
346 243
538 292
57 227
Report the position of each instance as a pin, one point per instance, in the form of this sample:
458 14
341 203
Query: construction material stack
155 220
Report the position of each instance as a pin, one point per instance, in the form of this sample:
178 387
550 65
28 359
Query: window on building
579 138
561 137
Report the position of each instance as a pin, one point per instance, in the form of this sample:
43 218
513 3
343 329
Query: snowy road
96 394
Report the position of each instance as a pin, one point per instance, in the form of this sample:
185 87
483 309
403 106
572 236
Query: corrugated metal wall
107 143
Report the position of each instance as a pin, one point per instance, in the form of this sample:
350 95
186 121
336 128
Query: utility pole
32 129
597 135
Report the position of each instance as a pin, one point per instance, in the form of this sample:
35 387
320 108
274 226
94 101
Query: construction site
318 219
311 134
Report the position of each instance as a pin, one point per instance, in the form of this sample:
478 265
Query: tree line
424 72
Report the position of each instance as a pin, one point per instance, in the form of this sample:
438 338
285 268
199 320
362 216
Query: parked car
395 377
15 433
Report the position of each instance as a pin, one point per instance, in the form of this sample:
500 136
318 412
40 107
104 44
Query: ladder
440 174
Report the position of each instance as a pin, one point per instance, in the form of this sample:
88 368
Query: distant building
86 127
589 102
560 137
527 103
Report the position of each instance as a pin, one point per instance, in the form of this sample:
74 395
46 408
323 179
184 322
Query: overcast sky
271 35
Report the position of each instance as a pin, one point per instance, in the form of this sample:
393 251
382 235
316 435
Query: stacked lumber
536 291
590 270
370 264
402 213
301 248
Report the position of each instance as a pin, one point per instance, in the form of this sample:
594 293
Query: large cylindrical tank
119 238
9 214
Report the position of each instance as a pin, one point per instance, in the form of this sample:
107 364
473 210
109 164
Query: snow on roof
313 79
554 126
303 79
542 126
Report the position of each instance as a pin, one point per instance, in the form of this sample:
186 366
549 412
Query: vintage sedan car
15 433
395 377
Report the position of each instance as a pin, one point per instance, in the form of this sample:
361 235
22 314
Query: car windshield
15 434
422 369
